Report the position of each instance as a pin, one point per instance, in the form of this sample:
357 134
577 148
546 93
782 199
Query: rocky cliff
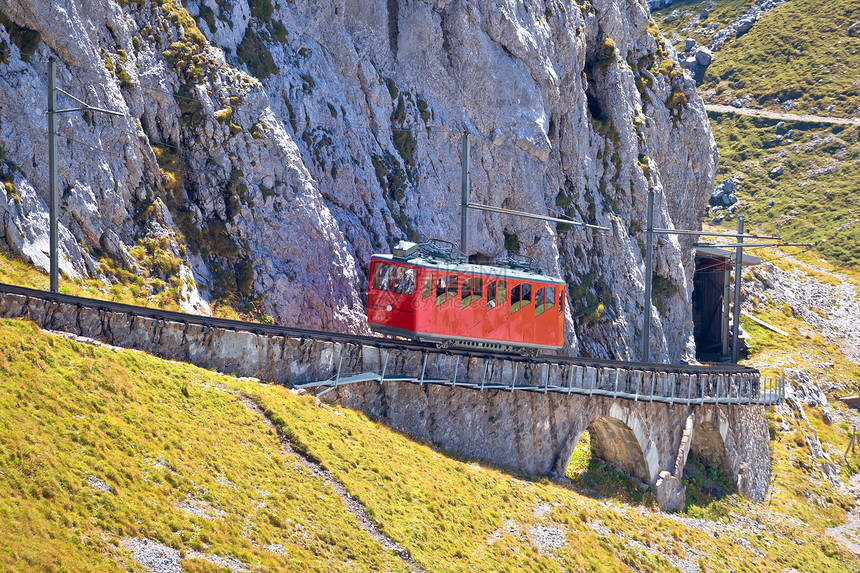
269 148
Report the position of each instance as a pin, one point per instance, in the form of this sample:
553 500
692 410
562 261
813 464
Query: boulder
689 63
724 194
704 56
689 44
744 25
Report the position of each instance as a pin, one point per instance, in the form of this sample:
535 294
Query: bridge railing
690 387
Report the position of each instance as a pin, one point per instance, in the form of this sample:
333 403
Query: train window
561 301
404 282
544 300
540 297
441 290
383 276
471 291
446 288
496 294
428 286
521 295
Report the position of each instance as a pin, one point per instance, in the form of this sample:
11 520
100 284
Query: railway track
379 342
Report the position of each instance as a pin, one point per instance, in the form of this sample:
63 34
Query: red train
427 294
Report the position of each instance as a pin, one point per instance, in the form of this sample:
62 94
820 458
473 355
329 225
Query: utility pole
53 199
464 199
649 259
736 311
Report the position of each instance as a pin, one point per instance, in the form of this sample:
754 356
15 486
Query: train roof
487 270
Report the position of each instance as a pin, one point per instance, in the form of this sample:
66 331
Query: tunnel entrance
711 297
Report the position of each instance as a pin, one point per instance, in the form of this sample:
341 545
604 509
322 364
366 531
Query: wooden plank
764 324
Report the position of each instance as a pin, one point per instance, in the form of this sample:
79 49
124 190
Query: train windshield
404 283
383 276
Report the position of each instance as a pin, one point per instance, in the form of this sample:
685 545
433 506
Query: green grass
159 433
800 51
809 206
126 288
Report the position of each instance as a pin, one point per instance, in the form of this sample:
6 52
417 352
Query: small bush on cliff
26 39
252 51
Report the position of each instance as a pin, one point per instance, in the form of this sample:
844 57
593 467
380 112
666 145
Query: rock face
269 148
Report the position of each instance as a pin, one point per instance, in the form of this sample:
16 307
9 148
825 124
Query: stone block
670 492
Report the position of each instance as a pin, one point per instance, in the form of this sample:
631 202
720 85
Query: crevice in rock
354 506
393 25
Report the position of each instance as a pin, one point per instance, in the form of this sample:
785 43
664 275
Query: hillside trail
781 116
847 534
316 470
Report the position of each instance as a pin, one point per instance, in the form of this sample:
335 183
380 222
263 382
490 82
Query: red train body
461 304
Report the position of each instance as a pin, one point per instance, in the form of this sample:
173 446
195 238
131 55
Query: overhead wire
436 128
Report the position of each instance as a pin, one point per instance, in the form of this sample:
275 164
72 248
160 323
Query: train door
546 318
447 311
424 302
472 309
497 310
522 313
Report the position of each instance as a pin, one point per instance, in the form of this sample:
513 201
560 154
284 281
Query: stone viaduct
526 414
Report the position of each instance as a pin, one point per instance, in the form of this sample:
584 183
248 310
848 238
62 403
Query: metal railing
697 388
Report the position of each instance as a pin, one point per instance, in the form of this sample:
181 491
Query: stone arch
709 445
616 443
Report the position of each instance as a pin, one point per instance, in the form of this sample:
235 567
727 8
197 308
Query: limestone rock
724 194
704 56
288 148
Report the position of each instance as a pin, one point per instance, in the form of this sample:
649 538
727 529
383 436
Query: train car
421 294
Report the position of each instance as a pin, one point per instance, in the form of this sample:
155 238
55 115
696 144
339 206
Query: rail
477 369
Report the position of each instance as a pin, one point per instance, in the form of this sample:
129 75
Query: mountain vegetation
794 178
111 456
802 56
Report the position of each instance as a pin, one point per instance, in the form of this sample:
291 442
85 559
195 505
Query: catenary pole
736 311
53 199
464 203
649 239
52 175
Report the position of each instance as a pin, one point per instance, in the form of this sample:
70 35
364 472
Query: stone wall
526 429
536 433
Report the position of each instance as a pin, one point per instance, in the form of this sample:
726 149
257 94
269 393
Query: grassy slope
808 206
158 432
799 51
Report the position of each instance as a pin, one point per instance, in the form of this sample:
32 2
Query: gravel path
848 535
782 116
353 505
